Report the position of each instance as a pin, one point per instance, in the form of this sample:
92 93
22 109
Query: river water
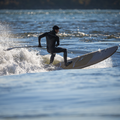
31 91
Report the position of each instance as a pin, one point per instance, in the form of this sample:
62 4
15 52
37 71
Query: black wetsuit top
52 42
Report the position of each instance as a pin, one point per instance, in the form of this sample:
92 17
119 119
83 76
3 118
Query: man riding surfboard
52 44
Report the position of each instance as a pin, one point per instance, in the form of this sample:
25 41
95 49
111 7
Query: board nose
115 47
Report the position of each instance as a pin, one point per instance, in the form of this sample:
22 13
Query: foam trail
104 64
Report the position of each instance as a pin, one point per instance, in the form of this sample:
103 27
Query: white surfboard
89 59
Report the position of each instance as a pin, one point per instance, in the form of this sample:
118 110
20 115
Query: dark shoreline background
59 4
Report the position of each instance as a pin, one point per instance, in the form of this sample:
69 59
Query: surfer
52 44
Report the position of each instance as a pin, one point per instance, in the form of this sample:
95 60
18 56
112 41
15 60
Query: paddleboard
89 59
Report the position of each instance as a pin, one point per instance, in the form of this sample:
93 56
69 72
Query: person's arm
58 42
39 39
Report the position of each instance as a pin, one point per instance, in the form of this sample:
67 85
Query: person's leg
52 58
65 56
58 50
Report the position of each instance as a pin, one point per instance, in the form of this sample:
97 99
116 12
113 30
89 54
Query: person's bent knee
53 54
65 50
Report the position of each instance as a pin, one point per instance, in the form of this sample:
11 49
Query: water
31 91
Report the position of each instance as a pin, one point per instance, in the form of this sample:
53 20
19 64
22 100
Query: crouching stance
52 43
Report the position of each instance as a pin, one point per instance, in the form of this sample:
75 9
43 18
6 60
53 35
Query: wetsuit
52 42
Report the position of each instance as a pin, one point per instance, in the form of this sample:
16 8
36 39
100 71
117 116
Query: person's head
56 28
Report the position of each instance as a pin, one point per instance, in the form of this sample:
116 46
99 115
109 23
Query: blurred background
59 4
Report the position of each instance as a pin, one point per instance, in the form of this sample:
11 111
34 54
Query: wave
76 34
26 60
23 60
94 34
19 61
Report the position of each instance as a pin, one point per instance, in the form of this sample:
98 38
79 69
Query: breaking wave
19 61
23 60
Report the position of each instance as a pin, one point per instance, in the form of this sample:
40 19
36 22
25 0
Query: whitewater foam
103 64
18 61
23 60
77 34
